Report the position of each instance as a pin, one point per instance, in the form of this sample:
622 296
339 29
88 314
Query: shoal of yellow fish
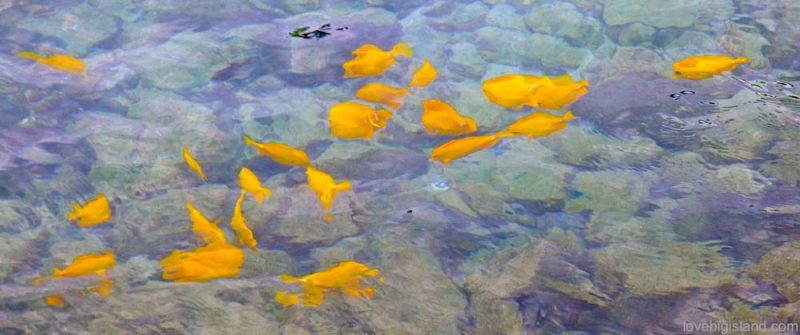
352 120
249 182
439 117
279 152
60 62
344 277
83 265
193 164
516 90
325 187
382 94
705 66
216 259
371 60
94 212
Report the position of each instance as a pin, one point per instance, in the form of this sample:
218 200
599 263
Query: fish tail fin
740 60
248 140
73 215
402 49
39 280
289 279
504 133
343 186
568 116
29 55
265 193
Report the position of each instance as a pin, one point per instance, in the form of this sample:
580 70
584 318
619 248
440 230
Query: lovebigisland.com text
739 327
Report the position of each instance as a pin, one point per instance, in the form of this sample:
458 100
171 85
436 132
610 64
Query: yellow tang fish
344 277
210 233
240 226
371 60
325 187
250 183
706 66
280 153
56 300
561 91
106 286
424 76
539 124
61 62
95 212
202 264
515 91
88 264
192 163
461 147
354 120
382 94
440 118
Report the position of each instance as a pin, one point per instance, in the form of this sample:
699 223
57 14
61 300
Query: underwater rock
79 27
785 165
780 266
643 269
459 17
581 145
510 47
201 57
564 20
738 179
14 250
291 6
617 227
529 171
503 46
554 54
612 190
678 14
346 248
691 43
296 217
466 61
505 17
636 34
515 48
622 61
17 217
380 164
270 120
498 277
744 40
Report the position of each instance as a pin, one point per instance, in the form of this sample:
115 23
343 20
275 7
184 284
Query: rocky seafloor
666 202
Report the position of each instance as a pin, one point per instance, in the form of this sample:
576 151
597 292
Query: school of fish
215 257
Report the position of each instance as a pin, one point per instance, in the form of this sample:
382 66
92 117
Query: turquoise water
666 205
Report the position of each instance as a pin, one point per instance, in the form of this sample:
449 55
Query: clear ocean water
667 206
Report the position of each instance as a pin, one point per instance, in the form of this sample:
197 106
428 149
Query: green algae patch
781 266
643 269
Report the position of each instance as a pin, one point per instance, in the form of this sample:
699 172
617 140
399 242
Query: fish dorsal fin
367 48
